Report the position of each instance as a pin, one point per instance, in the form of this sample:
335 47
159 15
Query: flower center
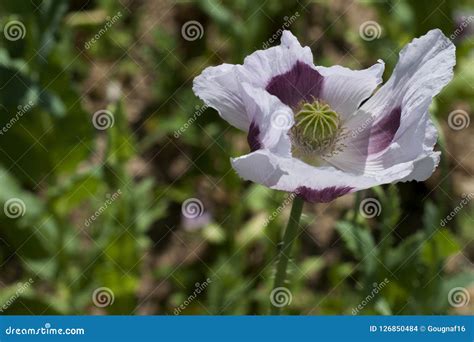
316 127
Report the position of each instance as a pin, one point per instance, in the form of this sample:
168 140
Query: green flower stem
285 251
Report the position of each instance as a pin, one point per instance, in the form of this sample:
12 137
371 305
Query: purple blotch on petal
301 82
253 138
324 195
383 131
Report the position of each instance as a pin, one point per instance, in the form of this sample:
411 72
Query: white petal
316 184
386 137
320 184
423 167
259 67
270 119
219 89
418 149
424 68
345 89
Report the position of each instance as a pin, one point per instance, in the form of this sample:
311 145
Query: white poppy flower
320 132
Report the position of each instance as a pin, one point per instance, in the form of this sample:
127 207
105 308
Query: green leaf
439 246
405 253
214 233
308 267
27 228
258 197
357 240
75 190
252 230
431 218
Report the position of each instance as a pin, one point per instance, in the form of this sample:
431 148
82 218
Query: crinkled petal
218 88
425 67
314 184
261 66
393 127
420 148
345 89
270 120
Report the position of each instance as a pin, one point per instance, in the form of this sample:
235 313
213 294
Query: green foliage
103 207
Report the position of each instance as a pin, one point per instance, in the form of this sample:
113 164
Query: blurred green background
99 228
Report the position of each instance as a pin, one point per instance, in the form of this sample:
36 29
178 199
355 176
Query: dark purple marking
253 137
301 82
322 196
383 131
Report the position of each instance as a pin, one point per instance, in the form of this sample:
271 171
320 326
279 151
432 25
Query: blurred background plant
103 141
